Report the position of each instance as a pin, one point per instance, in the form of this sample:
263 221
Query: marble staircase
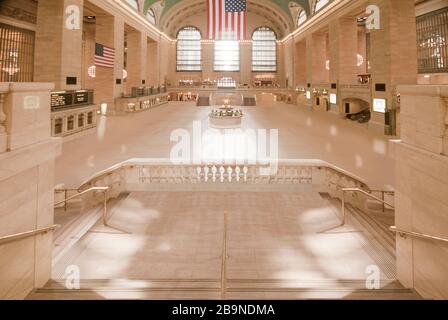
369 230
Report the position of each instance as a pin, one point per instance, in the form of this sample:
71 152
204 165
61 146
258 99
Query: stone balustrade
152 175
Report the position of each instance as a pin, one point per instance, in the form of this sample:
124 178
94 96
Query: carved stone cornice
18 14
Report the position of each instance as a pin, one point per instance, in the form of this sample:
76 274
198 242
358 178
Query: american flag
104 56
226 19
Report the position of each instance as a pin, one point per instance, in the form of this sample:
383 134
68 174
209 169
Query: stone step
235 289
76 224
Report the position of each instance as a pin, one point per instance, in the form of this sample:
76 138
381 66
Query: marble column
152 75
343 50
58 49
108 83
316 46
300 63
393 57
136 53
207 60
246 63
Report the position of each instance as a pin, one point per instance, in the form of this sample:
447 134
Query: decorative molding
18 14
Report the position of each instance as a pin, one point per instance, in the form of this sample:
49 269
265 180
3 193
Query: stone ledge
14 162
423 90
9 87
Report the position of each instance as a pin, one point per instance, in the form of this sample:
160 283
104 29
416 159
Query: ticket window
58 126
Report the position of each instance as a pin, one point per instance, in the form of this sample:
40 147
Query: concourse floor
302 135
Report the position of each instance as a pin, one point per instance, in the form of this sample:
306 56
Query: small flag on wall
104 56
226 19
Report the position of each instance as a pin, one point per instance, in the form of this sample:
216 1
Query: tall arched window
189 55
227 55
301 18
151 16
133 4
319 4
264 50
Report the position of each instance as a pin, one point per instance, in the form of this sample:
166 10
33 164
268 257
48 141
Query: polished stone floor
302 134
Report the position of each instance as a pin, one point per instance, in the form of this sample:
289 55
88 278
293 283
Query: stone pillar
58 49
108 83
207 60
362 50
136 59
316 50
300 63
288 63
343 51
246 62
165 59
421 189
152 76
393 56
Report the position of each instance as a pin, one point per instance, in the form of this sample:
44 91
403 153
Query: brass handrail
27 234
367 194
404 233
102 189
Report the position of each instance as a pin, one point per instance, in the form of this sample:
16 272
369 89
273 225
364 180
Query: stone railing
154 175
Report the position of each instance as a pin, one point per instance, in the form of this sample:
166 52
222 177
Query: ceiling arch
193 12
283 4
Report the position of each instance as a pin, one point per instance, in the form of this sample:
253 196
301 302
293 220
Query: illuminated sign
379 105
308 94
333 98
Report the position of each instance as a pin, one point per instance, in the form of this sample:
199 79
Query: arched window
264 50
151 16
301 18
319 4
189 55
227 55
133 4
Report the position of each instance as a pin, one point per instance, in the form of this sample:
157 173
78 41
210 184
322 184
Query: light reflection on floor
302 134
179 235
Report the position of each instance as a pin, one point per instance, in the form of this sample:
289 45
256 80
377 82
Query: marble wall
421 189
26 188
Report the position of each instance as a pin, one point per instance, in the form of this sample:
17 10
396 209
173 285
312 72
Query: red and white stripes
224 25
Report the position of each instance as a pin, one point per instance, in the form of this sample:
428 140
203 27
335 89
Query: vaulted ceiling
177 14
283 4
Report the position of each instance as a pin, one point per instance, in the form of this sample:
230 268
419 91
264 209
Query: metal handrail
27 234
102 189
367 194
404 233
